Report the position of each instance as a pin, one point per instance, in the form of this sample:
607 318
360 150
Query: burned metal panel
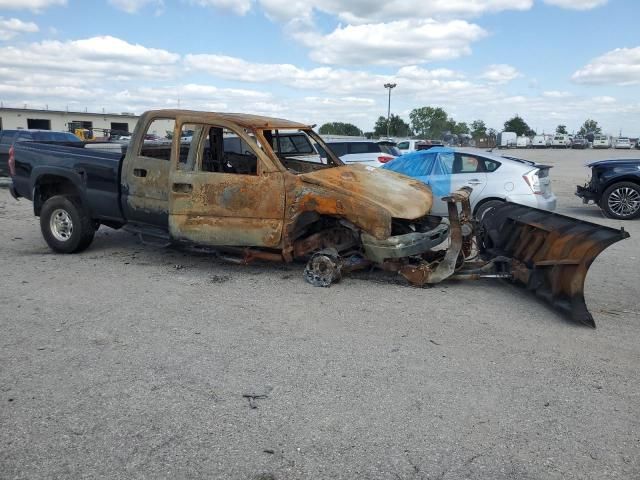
243 120
550 253
145 179
401 196
307 203
221 231
227 208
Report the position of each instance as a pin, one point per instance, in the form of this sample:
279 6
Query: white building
22 118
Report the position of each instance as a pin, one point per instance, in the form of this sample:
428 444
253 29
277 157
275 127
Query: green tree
340 128
519 126
397 127
561 130
478 129
589 126
429 122
460 128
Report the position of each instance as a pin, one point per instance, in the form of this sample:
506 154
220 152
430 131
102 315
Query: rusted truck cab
258 185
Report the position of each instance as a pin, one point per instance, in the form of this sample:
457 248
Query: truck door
145 174
223 189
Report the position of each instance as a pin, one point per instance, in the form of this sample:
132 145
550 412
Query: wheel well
48 186
485 200
634 180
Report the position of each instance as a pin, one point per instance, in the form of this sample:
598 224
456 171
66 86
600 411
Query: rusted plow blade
550 253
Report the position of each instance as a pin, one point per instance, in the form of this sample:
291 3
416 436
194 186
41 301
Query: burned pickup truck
254 187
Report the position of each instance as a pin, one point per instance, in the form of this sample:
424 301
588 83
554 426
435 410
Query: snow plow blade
549 253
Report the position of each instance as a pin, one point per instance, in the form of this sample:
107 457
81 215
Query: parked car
523 142
579 142
390 147
540 141
493 178
9 137
601 141
427 144
561 140
507 140
622 142
408 145
615 187
365 152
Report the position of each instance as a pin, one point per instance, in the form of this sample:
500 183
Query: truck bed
95 173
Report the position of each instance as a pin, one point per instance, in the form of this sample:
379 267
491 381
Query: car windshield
300 151
390 149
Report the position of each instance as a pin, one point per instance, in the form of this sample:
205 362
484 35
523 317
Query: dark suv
615 187
9 137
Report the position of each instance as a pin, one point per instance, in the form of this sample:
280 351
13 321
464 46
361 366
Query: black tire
484 207
66 226
621 201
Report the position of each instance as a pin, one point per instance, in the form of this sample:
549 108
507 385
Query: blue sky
551 61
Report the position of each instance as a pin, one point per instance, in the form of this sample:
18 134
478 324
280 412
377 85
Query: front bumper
586 194
402 246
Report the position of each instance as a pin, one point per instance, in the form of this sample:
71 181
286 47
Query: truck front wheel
65 224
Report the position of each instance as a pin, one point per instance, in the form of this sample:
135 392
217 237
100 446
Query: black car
615 187
9 137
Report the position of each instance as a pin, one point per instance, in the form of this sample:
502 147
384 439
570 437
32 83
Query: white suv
622 142
560 140
364 152
601 141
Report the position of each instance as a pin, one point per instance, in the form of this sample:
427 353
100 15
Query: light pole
390 86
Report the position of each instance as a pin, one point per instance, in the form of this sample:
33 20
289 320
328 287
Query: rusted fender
550 253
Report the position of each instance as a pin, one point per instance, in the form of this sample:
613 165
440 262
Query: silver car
493 178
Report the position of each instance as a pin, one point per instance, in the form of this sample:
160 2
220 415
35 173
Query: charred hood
401 196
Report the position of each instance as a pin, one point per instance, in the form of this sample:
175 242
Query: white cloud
239 7
500 74
96 57
11 27
321 78
34 5
133 6
556 94
395 43
410 79
577 4
374 11
617 67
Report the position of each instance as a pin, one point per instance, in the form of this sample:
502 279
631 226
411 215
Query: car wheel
65 224
485 207
621 201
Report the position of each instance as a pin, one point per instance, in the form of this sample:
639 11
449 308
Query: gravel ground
131 361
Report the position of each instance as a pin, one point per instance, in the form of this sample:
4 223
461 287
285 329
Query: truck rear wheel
66 226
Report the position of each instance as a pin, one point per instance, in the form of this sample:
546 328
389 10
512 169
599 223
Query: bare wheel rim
61 225
624 201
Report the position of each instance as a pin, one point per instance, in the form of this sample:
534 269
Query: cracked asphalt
133 361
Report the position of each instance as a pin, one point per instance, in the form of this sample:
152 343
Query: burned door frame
145 181
220 208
